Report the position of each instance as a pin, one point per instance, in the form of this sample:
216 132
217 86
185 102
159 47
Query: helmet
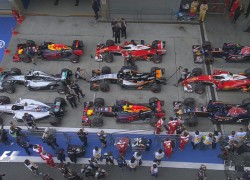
90 112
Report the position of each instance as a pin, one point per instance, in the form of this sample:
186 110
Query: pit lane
179 40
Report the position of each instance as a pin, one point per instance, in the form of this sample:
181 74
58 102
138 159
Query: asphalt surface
21 172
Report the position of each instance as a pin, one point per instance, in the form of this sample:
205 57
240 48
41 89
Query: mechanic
113 23
240 135
168 147
82 134
72 153
154 171
184 75
32 166
203 10
129 59
24 144
117 33
4 137
159 125
50 139
95 8
60 155
121 162
138 158
172 125
71 98
124 28
79 74
48 158
158 156
76 88
184 140
102 137
15 131
196 140
29 119
97 153
202 175
216 139
31 52
122 146
207 141
109 158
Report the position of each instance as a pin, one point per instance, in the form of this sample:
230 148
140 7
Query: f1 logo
2 44
6 156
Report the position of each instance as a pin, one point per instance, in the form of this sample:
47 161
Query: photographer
109 158
184 74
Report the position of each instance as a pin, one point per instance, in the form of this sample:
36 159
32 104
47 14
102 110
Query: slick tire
97 122
99 102
4 100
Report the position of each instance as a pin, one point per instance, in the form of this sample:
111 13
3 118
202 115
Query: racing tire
74 58
62 91
104 87
15 71
155 44
30 43
156 58
155 88
153 69
4 100
152 101
106 70
80 45
245 102
107 57
153 121
110 42
25 58
6 83
62 100
207 45
247 72
189 101
10 89
199 88
97 122
197 72
99 102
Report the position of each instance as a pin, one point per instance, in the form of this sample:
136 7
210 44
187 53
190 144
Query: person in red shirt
172 125
184 140
48 158
158 125
168 147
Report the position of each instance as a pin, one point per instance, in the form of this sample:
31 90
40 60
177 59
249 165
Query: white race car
52 111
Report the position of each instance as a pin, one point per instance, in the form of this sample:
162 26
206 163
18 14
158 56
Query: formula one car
221 80
217 112
123 111
6 86
49 51
221 113
53 111
131 50
230 52
128 78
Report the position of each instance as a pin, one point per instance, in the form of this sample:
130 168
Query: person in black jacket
124 28
117 31
76 88
95 8
71 98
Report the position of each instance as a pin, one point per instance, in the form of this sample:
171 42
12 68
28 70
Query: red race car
131 51
221 80
49 51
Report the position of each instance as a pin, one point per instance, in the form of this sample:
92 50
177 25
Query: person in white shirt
196 140
240 135
232 136
97 153
216 138
132 164
208 140
138 156
154 170
158 156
